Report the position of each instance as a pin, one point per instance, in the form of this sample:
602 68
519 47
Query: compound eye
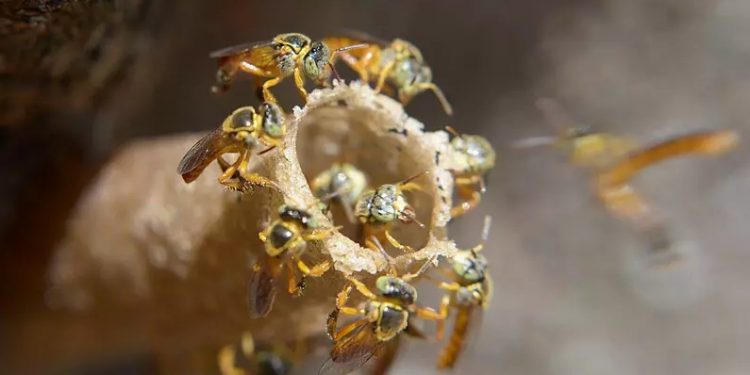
272 120
242 119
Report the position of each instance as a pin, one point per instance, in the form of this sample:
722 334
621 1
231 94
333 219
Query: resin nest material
141 234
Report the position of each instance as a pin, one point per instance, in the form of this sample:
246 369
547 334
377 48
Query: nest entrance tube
338 134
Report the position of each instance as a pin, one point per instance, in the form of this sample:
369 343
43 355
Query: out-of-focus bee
240 133
274 60
378 209
251 358
471 288
343 183
585 147
387 312
399 64
613 162
285 240
472 157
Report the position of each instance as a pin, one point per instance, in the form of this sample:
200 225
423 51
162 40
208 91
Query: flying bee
249 357
472 157
614 161
343 183
387 312
378 209
585 147
274 60
471 288
240 133
285 240
399 64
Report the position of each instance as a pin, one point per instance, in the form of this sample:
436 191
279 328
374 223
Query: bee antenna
453 131
387 256
347 48
267 150
412 178
335 72
533 142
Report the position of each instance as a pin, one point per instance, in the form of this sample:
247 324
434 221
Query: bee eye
242 119
272 120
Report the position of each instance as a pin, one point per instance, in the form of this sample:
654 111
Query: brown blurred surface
573 295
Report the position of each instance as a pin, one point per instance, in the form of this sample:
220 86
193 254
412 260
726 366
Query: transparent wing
203 152
353 350
260 54
261 291
239 48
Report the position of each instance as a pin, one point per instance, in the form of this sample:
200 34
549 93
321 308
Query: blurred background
574 293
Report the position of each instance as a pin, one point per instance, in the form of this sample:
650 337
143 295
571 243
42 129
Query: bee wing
240 48
260 54
388 356
361 36
203 152
261 291
353 350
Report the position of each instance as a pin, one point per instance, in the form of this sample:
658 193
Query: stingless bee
613 161
399 64
378 209
585 147
387 312
472 156
285 241
470 289
240 133
287 54
343 183
249 357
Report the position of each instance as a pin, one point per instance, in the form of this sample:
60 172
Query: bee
241 132
614 161
285 240
387 312
251 358
470 289
472 156
399 64
378 209
585 147
285 55
343 183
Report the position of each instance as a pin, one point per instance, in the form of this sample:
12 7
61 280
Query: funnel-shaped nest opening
358 136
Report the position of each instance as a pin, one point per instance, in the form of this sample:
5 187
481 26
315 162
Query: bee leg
254 179
396 244
226 359
320 234
295 286
316 270
430 314
362 288
466 190
357 65
406 96
440 330
625 203
267 95
299 81
383 75
227 179
489 292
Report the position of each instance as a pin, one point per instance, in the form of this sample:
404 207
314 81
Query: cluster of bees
390 308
